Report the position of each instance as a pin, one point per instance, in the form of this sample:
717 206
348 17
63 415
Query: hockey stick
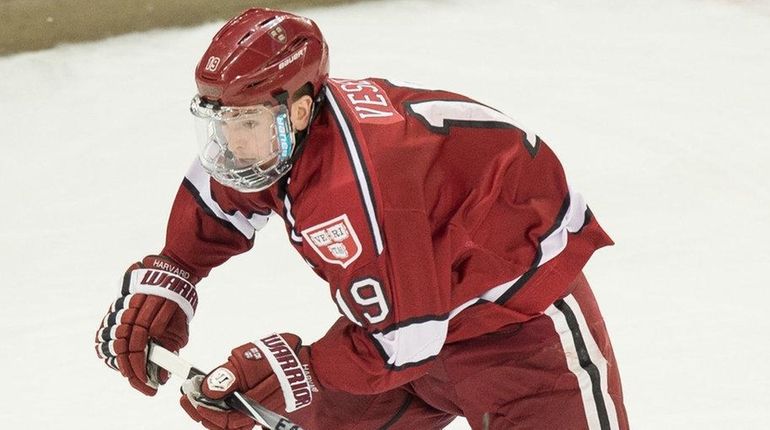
177 366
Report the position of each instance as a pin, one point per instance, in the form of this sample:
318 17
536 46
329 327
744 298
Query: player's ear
300 112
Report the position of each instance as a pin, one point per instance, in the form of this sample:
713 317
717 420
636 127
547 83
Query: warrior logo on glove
296 384
274 371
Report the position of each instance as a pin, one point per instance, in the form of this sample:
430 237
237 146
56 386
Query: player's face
251 140
247 148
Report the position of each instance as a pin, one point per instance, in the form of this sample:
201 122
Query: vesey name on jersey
291 372
370 102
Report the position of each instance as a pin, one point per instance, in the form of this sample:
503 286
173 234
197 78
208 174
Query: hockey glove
157 302
274 372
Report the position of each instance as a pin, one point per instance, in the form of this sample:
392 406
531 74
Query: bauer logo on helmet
294 57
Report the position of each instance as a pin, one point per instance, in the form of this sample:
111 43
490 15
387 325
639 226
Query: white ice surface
659 110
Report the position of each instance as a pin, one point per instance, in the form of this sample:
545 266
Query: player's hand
274 371
157 302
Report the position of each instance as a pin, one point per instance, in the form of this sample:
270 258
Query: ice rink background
658 109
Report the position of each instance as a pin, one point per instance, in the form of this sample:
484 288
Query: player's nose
238 143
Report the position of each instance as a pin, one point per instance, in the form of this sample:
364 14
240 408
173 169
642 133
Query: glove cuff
293 374
161 276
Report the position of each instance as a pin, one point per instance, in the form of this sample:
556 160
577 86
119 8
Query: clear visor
246 148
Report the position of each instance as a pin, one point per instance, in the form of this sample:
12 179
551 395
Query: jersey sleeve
209 223
395 314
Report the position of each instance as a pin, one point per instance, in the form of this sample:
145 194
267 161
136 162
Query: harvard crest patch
334 240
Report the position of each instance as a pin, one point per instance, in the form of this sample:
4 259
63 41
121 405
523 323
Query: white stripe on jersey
290 217
358 167
413 343
551 246
573 363
572 222
200 179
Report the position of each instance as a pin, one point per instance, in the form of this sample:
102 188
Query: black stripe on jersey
399 413
412 364
585 362
247 215
412 86
373 224
586 220
410 321
385 357
380 349
538 254
393 327
287 214
197 196
532 150
559 219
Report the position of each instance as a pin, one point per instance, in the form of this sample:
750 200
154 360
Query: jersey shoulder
407 132
384 142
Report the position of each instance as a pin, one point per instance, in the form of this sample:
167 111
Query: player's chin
245 163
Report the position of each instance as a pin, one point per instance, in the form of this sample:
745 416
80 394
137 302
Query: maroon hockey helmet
260 55
254 64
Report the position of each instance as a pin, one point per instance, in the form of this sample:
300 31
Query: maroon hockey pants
556 371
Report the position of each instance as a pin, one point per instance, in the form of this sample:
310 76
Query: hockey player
450 240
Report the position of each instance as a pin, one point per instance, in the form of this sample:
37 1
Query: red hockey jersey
433 218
